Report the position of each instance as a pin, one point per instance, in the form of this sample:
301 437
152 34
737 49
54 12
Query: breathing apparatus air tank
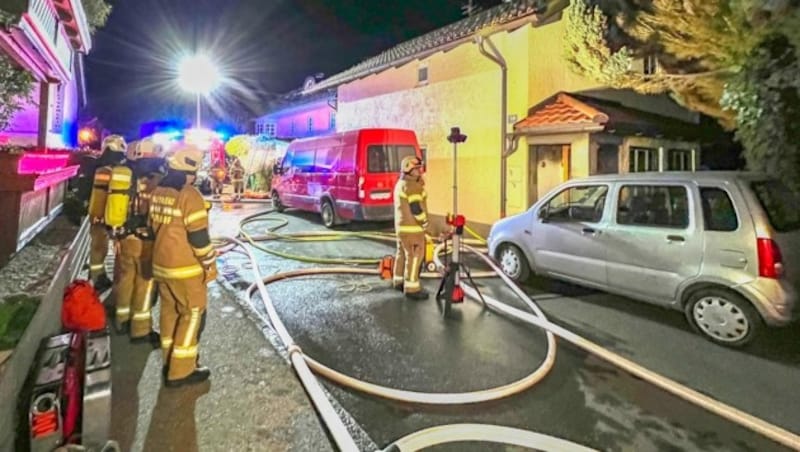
119 197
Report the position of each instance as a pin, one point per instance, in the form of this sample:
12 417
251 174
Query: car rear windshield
780 204
386 158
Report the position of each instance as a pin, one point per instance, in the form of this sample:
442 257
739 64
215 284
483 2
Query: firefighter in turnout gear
410 224
134 290
237 179
113 154
217 179
184 261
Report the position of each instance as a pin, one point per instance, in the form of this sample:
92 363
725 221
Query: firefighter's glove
210 273
144 233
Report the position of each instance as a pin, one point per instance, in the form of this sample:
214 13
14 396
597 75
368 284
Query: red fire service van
344 176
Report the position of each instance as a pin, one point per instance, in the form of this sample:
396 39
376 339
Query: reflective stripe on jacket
179 219
410 206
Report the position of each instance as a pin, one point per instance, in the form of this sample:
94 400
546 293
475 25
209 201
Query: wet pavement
359 326
253 401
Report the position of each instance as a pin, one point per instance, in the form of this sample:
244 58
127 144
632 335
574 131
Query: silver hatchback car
723 247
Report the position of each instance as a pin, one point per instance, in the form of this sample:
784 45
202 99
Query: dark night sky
267 46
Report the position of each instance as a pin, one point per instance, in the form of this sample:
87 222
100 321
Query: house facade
300 115
501 76
47 38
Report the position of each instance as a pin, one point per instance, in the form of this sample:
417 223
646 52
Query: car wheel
329 218
513 262
723 317
276 202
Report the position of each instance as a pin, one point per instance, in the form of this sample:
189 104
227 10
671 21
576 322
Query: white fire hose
304 365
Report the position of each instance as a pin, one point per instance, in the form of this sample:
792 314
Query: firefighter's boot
199 375
152 338
419 295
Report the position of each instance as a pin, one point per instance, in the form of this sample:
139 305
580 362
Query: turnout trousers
134 289
183 305
97 251
408 261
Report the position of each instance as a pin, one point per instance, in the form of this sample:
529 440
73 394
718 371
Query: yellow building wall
464 89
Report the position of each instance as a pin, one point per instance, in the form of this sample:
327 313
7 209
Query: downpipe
498 59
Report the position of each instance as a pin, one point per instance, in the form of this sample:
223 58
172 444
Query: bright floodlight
198 75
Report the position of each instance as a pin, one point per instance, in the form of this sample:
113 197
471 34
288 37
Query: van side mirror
276 169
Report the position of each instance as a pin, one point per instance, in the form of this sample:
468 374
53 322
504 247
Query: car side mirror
276 169
542 215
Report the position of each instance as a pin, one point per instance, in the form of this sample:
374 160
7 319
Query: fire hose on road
478 432
306 366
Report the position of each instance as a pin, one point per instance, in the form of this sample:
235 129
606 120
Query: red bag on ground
82 309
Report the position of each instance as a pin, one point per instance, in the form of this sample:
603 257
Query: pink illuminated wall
318 111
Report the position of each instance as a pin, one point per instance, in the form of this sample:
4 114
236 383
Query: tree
97 12
15 88
713 57
765 94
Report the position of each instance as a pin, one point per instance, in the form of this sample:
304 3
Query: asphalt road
361 327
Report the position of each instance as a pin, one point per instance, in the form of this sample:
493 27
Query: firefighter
237 179
134 290
184 261
113 149
217 178
411 225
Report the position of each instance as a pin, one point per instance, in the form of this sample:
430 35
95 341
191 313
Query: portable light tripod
450 290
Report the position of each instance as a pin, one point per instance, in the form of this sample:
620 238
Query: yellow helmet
186 158
409 164
114 143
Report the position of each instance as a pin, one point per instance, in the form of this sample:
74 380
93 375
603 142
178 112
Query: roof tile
500 15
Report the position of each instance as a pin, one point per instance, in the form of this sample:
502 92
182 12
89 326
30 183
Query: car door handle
675 238
589 231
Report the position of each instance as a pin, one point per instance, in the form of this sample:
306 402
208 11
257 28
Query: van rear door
381 170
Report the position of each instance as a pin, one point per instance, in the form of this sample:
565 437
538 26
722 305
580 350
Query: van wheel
276 202
328 213
513 262
723 317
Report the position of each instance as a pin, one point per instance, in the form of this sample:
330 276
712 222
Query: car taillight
770 261
361 193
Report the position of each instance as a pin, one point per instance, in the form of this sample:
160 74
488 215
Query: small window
386 158
293 127
718 211
422 75
608 159
310 124
643 160
269 129
679 160
580 204
332 121
653 205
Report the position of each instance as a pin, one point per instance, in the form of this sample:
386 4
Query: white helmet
114 143
143 149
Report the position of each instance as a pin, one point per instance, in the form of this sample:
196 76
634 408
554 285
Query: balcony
43 36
